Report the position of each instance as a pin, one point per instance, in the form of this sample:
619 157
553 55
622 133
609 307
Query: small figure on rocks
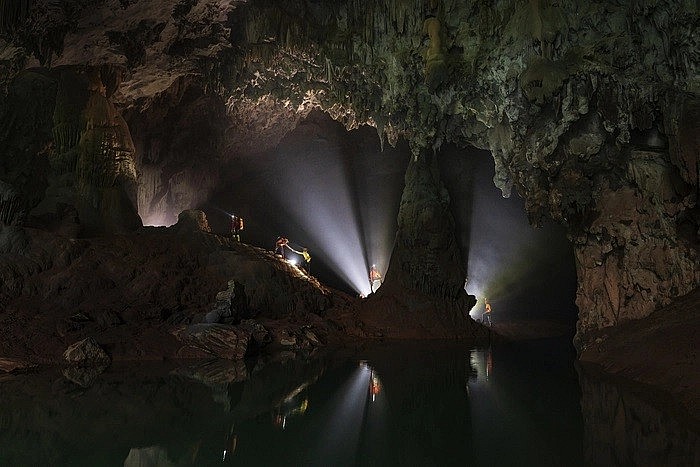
236 227
307 260
279 246
374 276
307 257
486 317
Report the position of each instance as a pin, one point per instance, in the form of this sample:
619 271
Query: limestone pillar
426 256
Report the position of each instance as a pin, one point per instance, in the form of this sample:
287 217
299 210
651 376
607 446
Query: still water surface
389 405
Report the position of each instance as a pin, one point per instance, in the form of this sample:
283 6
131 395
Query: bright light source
345 212
292 261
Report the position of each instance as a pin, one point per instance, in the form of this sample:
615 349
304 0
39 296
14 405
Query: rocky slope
589 110
180 292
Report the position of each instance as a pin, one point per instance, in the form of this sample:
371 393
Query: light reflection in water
294 403
401 405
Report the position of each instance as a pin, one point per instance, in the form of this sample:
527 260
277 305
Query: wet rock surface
86 352
219 340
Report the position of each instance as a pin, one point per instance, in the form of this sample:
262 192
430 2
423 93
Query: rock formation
589 110
426 257
86 352
135 293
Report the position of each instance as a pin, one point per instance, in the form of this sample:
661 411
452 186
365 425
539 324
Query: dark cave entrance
337 193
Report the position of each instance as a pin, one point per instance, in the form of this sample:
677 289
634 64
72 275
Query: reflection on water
624 427
389 405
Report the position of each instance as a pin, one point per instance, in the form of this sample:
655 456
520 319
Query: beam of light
156 220
337 234
507 256
228 214
341 434
346 211
318 199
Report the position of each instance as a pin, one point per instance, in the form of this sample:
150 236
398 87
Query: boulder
86 352
260 336
213 372
231 305
220 340
192 220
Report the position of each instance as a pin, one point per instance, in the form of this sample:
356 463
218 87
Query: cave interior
540 155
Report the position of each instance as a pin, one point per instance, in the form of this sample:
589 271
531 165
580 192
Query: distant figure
236 227
279 246
487 313
307 260
375 386
374 276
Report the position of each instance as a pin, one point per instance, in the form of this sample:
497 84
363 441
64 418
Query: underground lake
524 403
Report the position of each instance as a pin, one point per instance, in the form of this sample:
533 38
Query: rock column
426 256
105 169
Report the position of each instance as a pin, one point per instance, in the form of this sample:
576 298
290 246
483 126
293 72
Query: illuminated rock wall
589 109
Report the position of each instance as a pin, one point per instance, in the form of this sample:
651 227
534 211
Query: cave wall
67 153
178 139
589 109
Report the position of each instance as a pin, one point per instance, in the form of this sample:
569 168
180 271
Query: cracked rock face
590 110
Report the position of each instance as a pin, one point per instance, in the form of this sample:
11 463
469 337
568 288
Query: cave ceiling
552 89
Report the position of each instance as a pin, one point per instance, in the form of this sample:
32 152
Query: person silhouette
487 312
374 276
